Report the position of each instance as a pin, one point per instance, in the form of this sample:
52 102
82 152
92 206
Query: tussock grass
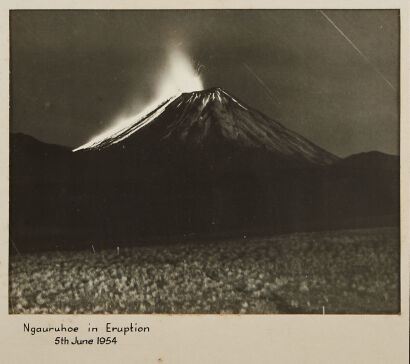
347 271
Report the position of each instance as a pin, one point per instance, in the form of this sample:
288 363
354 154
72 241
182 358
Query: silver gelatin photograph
204 162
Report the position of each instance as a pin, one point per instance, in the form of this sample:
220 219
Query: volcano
202 118
199 164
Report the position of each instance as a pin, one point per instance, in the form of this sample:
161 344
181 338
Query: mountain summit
200 118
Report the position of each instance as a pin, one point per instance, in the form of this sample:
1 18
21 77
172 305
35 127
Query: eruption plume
178 76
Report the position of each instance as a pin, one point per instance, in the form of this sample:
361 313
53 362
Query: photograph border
230 338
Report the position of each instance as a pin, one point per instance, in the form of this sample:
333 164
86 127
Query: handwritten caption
108 334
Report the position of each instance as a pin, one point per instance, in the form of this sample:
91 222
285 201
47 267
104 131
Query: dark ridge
22 138
371 160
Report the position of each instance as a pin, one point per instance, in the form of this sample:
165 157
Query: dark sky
74 72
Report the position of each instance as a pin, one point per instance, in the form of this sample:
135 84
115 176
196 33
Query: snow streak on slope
126 129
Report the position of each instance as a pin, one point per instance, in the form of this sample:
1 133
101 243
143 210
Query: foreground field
349 271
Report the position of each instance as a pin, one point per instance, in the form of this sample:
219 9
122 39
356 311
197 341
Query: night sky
74 72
